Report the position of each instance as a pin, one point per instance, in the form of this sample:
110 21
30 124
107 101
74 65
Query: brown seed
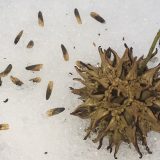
18 37
16 81
35 67
77 15
40 19
54 111
36 79
4 126
6 71
49 89
65 53
30 44
97 17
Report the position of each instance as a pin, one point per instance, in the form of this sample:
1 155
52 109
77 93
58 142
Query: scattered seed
94 44
123 39
30 44
99 34
6 100
36 79
77 15
54 111
40 19
49 89
65 53
4 126
45 152
18 37
97 17
70 73
16 81
35 67
0 81
6 71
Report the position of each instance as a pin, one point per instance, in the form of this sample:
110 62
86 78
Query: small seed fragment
49 89
16 81
65 52
77 15
54 111
18 37
36 79
35 67
6 71
6 100
30 44
97 17
4 126
40 19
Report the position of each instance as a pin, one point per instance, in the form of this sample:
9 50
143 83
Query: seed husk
65 52
54 111
40 19
35 67
49 89
36 79
77 15
97 17
16 81
4 126
6 71
18 37
30 44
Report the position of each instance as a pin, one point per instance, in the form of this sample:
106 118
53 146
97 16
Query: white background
31 132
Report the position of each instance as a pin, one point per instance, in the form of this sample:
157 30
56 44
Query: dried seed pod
49 90
16 81
40 19
54 111
4 126
36 79
65 52
30 44
6 71
18 37
97 17
77 15
120 97
35 67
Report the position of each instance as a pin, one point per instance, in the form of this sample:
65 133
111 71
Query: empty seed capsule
16 81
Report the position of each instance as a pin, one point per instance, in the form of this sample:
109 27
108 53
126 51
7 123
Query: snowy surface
31 132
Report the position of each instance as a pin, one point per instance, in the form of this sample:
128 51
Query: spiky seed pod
121 98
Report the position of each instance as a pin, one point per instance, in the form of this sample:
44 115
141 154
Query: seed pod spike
77 15
18 37
49 90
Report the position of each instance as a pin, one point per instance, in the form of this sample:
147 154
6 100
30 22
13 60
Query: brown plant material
6 71
36 80
54 111
18 37
121 98
4 126
40 19
16 81
65 52
36 67
77 15
49 89
30 44
97 17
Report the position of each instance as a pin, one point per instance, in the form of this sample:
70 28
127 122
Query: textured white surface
31 133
